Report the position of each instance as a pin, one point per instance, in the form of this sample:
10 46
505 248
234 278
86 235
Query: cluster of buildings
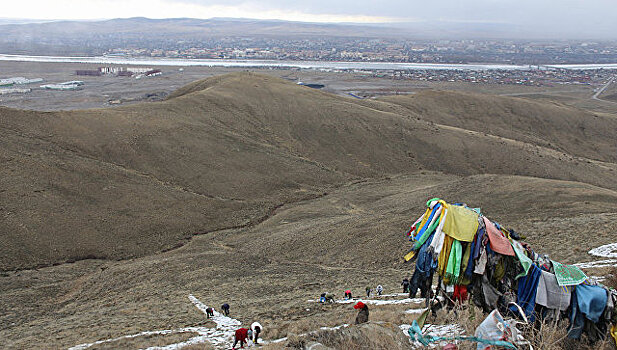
18 81
532 77
384 50
138 72
13 85
8 85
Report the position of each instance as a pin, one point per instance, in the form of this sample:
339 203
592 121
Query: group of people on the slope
243 334
326 297
378 290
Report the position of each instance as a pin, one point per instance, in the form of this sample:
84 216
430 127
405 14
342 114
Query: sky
539 15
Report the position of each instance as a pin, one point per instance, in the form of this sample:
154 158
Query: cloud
97 9
581 17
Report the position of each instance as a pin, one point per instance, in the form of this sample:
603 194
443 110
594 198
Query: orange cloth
499 243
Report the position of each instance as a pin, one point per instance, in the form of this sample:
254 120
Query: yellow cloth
410 255
461 223
614 332
442 260
427 213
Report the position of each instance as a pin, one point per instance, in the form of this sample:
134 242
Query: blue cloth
425 264
526 294
428 222
591 301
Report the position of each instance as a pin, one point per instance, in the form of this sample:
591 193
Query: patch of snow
597 278
390 295
446 330
415 311
219 336
599 263
376 302
606 251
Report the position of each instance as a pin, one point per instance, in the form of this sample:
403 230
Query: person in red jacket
241 336
363 314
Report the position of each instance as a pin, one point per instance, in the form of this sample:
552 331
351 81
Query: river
324 65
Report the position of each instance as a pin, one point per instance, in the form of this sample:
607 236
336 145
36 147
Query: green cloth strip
453 270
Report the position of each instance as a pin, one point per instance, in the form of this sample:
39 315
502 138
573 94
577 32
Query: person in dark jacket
225 308
405 285
348 294
210 312
363 314
256 328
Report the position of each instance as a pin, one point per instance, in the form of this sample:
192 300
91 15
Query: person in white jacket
256 328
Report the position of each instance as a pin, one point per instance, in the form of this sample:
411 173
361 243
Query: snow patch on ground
219 337
598 263
415 311
377 302
605 251
446 330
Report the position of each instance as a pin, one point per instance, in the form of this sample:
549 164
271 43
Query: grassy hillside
226 151
544 123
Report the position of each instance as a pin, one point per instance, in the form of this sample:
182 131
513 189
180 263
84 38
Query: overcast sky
593 16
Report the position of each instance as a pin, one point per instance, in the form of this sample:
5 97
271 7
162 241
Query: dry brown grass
611 278
146 341
542 335
372 335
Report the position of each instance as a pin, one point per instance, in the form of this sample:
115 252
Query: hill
294 191
225 152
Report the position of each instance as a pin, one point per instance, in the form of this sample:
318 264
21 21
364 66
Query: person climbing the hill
363 314
225 308
256 328
329 297
241 337
379 289
210 312
405 285
322 298
348 294
368 292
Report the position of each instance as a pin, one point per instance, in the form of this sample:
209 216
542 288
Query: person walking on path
405 285
256 328
363 314
368 292
210 312
225 308
379 289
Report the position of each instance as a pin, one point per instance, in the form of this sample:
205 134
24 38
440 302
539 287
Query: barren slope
224 152
544 123
351 237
